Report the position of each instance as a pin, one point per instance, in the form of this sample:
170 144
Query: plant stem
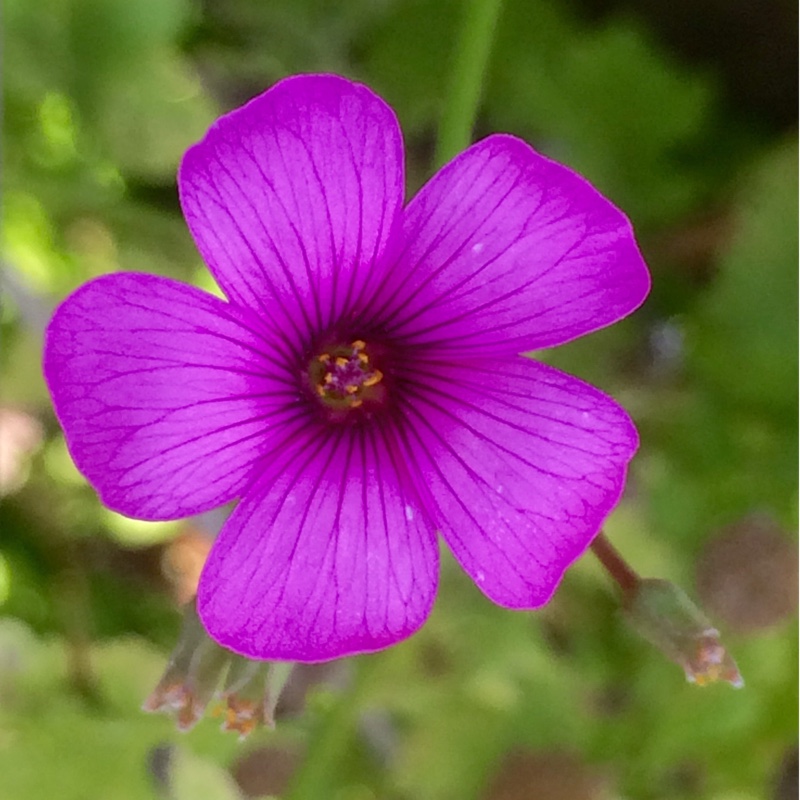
615 565
332 738
72 595
469 64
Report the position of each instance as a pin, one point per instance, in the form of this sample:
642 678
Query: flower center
344 377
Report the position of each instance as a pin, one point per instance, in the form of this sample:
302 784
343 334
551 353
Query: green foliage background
101 99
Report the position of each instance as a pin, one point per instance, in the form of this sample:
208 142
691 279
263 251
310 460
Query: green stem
466 81
331 740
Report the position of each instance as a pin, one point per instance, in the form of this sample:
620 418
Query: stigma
344 377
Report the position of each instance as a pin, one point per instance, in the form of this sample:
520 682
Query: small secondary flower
361 388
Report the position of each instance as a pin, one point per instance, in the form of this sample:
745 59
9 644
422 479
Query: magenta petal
507 251
523 464
292 199
167 395
328 555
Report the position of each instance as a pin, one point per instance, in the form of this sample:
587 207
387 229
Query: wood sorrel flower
361 388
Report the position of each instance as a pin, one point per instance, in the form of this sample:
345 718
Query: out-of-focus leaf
746 326
138 533
407 54
73 750
149 120
194 778
111 38
5 579
30 244
607 102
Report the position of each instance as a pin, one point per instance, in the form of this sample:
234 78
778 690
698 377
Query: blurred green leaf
746 325
111 38
608 103
151 118
70 745
194 778
407 55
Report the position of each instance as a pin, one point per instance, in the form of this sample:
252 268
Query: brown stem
72 593
69 579
615 565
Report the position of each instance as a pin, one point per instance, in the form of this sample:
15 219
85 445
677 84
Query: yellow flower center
344 377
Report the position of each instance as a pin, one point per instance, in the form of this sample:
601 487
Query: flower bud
251 692
194 672
664 615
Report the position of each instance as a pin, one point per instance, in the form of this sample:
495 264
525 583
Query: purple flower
362 388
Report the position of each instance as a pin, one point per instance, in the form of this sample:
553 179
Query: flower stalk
615 565
663 614
470 61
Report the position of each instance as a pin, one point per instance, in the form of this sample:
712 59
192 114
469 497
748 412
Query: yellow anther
342 376
376 377
242 721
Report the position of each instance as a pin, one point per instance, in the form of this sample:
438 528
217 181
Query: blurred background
684 114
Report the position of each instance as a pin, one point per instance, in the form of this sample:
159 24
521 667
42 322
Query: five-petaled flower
362 388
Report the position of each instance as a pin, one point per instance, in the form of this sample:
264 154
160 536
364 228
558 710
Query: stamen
343 377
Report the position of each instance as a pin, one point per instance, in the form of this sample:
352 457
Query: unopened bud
664 615
251 693
195 670
192 674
